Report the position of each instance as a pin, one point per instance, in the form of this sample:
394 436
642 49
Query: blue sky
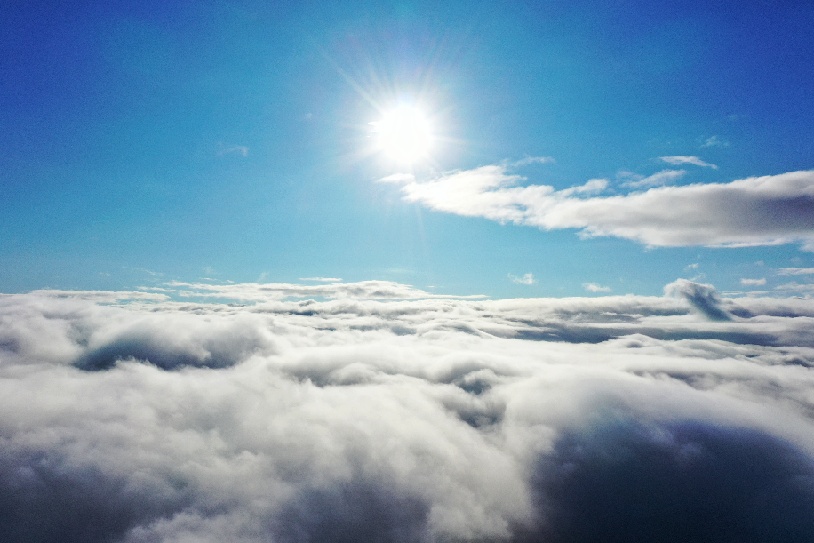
148 142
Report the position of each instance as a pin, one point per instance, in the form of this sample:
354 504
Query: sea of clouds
375 412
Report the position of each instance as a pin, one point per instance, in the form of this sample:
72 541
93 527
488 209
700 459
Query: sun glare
404 134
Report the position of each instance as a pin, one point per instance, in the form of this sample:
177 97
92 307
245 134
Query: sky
405 272
147 142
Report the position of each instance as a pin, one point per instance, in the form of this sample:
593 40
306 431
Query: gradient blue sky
146 142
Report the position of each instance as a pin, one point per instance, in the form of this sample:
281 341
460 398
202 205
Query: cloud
678 160
795 287
753 282
635 418
714 141
279 291
795 271
769 210
595 287
322 279
240 150
663 177
701 297
400 177
525 279
534 160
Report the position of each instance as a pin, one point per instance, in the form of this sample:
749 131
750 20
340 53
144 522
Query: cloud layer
767 210
618 418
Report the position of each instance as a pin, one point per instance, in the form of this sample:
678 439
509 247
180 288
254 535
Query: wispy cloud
322 279
399 177
525 279
595 287
767 210
407 420
239 150
679 160
795 271
663 177
795 288
753 282
534 160
714 141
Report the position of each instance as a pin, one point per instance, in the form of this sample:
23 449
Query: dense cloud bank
133 418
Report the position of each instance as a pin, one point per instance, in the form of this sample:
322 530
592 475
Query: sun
404 134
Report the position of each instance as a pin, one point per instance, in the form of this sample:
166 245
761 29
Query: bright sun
404 134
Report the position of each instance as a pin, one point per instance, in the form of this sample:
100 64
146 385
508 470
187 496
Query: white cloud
678 160
406 420
767 210
715 141
805 289
663 177
534 160
595 287
525 279
322 279
795 271
753 282
399 177
259 292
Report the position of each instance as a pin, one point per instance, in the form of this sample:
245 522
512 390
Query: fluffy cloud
626 418
767 210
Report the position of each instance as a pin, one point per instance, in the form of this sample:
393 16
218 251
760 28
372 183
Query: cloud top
393 420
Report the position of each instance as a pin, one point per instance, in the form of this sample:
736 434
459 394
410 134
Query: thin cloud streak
795 271
657 179
679 160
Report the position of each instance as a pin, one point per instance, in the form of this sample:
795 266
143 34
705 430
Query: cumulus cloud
702 297
631 418
767 210
525 279
678 160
